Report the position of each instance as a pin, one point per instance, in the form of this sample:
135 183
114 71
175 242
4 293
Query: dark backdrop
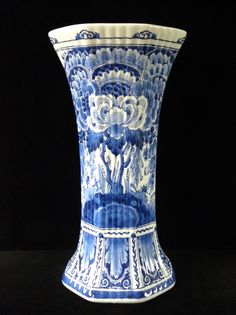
39 161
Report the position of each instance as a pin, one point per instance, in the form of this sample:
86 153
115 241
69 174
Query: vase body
117 75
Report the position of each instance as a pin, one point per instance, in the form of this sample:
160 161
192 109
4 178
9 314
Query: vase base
119 265
114 296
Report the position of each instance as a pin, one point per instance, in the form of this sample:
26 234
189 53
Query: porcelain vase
117 74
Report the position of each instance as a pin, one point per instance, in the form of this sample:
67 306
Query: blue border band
119 294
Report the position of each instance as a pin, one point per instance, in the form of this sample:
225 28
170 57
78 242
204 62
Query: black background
39 158
39 181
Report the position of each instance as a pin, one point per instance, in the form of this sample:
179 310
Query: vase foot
116 296
119 265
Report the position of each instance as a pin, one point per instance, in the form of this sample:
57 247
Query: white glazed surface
117 30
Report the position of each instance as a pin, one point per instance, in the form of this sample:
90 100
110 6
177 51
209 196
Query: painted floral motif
117 94
116 113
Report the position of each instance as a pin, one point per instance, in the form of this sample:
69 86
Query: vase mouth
117 31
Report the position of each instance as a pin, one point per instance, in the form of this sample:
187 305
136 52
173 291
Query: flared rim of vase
117 30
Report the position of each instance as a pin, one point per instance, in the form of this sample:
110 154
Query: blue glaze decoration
84 34
145 35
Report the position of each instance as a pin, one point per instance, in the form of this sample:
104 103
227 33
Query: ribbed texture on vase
117 33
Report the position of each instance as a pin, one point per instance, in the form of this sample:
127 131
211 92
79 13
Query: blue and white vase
117 74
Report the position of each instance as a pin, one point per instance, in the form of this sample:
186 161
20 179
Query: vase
117 74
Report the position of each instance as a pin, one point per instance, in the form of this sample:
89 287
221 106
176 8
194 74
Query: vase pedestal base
129 296
119 265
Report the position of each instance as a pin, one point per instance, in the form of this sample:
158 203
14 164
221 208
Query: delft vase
117 74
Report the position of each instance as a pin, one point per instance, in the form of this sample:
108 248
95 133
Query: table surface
30 284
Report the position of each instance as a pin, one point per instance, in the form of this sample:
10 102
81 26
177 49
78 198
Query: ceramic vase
117 74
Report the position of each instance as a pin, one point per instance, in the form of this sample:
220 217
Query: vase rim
117 30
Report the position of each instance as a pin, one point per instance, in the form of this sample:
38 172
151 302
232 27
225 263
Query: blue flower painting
117 95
